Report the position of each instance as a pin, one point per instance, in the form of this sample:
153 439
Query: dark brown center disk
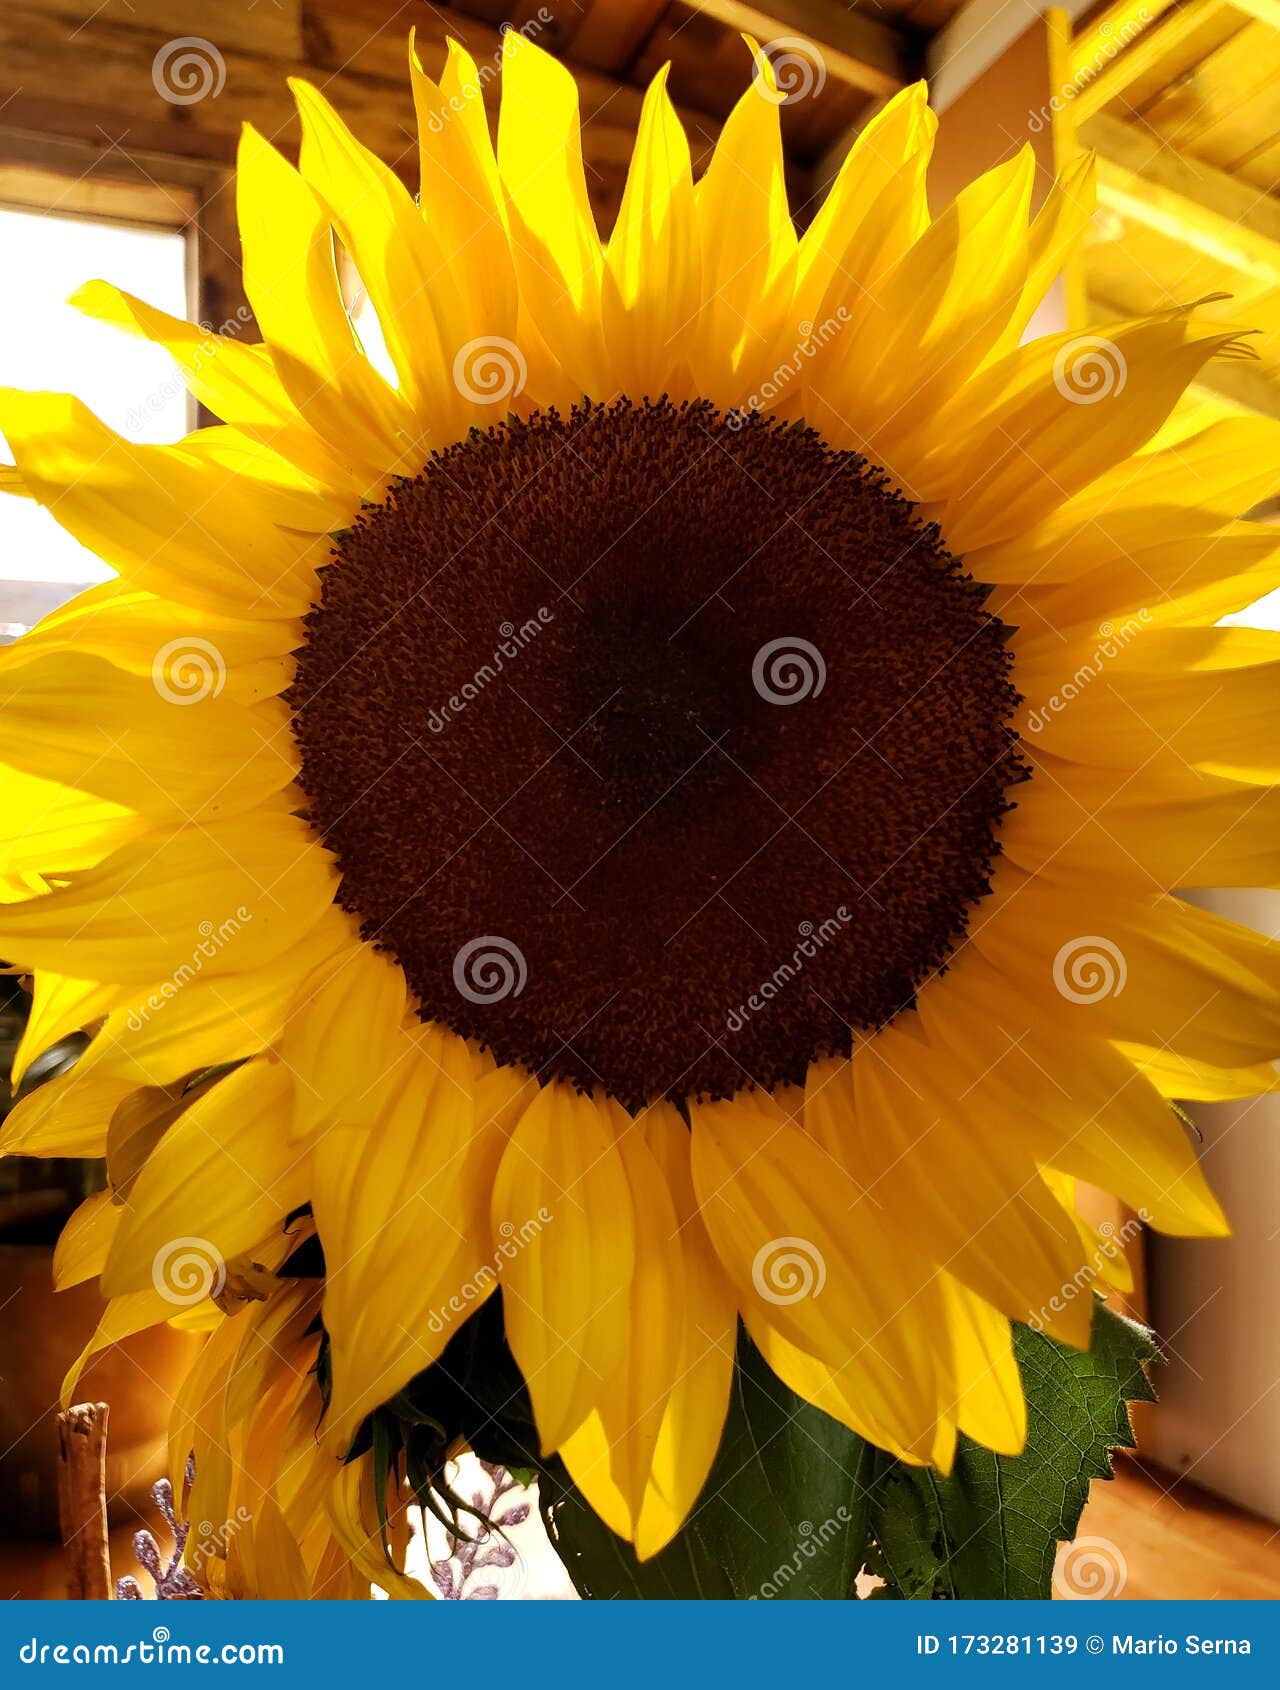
662 748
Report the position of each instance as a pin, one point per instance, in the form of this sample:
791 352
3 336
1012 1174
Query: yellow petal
794 1234
84 1241
990 1405
353 1515
59 1007
339 1059
1106 1258
191 656
554 243
748 244
122 1317
159 515
197 1424
460 191
79 720
1183 1078
633 1402
1224 721
1029 441
836 1391
1110 1128
874 210
1178 826
1149 971
914 339
52 830
292 284
190 1021
1186 492
1057 230
699 1400
68 1115
236 381
278 1572
565 1294
389 1209
414 284
969 1200
228 895
651 277
220 1181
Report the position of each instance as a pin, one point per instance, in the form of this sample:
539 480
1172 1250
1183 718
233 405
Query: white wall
1216 1304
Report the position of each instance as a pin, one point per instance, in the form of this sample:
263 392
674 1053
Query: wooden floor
1142 1535
1176 1540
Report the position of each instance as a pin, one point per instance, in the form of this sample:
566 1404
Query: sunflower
659 795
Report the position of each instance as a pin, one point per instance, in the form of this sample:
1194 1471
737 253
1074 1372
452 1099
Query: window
44 343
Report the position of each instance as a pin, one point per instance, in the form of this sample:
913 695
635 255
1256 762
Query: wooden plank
219 300
1110 32
360 39
491 11
1149 181
1182 56
927 17
1146 264
1178 1541
1229 103
96 85
97 88
1147 52
271 29
1261 167
613 32
1266 11
106 199
855 49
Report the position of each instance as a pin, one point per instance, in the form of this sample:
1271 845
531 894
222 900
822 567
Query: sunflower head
659 798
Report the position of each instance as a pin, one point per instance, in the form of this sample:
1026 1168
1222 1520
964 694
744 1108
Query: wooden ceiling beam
610 33
1142 178
1266 11
1099 42
1147 50
852 47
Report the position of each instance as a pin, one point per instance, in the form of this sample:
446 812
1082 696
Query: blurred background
118 129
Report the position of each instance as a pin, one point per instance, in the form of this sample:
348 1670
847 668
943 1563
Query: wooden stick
82 1500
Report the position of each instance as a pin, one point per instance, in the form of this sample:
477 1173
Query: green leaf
783 1513
795 1504
992 1528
